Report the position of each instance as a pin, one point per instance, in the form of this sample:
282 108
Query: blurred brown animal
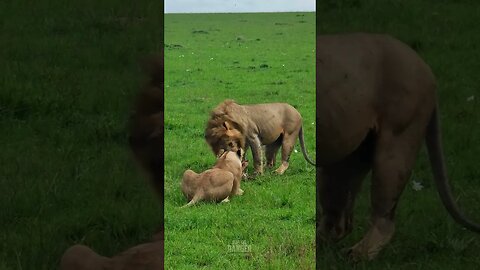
146 124
146 143
148 256
376 104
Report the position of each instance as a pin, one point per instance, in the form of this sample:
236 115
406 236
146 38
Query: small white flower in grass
313 123
295 150
283 65
471 98
417 186
188 70
181 55
211 58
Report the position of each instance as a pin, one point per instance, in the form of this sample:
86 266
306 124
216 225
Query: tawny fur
220 183
276 125
148 256
376 104
215 132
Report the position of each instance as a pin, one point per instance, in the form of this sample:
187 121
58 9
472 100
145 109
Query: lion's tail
302 145
193 201
435 153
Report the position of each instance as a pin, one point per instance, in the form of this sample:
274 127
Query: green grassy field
446 35
69 70
251 58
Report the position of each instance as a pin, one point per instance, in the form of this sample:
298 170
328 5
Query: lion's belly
340 131
270 136
272 120
345 96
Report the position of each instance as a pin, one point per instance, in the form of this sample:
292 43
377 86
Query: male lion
217 184
232 126
376 103
146 143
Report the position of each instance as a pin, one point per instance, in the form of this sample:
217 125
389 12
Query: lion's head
225 128
240 153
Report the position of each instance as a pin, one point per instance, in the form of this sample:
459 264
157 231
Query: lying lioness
232 126
217 184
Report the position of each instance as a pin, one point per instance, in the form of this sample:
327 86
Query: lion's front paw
361 252
279 171
252 176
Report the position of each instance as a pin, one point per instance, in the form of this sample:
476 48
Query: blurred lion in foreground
146 143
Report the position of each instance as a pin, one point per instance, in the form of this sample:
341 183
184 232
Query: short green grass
251 58
69 70
446 35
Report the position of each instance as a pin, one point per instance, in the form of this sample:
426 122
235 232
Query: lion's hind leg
338 187
394 159
271 151
288 142
222 187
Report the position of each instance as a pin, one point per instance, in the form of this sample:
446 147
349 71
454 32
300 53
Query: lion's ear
229 133
226 125
239 153
220 153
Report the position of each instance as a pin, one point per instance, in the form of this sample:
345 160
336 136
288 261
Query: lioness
217 184
232 126
376 104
